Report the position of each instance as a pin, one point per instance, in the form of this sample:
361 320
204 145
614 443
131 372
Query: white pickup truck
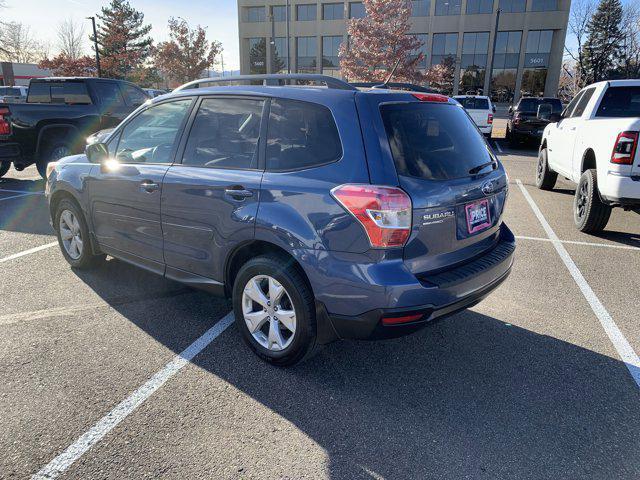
593 143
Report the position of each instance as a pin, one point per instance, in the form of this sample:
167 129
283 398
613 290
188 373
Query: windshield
530 105
620 102
473 103
433 141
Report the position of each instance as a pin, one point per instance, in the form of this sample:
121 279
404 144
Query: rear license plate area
478 216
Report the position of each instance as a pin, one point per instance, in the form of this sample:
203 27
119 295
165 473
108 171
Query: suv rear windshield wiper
479 168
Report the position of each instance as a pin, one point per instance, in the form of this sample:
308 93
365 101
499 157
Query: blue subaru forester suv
323 213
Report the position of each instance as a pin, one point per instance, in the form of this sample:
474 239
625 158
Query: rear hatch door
457 186
478 109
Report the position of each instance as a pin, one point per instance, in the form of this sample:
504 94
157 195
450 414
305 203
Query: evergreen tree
603 48
123 40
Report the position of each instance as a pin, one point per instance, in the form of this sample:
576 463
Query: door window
109 94
582 104
151 136
133 95
225 134
572 104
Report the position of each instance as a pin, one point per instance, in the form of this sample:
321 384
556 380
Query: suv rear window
620 102
301 135
530 105
433 141
471 103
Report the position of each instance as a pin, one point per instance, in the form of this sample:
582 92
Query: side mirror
555 117
97 152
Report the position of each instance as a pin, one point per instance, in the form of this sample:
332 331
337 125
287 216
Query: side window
582 104
569 108
133 95
109 94
225 134
151 136
301 135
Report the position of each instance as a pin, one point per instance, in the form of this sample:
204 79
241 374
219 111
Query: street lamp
95 44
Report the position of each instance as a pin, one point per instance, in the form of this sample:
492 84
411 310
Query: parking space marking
14 196
621 344
576 242
498 146
8 190
107 423
27 252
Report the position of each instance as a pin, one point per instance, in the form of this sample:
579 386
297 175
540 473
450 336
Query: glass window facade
423 49
255 14
279 13
306 51
257 56
475 47
279 63
505 66
306 13
357 10
420 8
330 49
332 11
536 62
479 6
544 5
443 52
513 6
448 7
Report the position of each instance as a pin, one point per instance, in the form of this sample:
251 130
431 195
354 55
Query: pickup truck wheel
51 154
545 178
73 236
275 310
4 168
589 213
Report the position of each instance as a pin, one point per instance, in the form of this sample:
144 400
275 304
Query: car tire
545 178
589 213
51 154
73 236
271 338
4 168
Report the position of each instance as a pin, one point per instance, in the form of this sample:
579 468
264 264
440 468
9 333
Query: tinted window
13 91
582 104
306 12
433 141
572 104
530 105
301 135
151 135
255 14
620 102
357 10
279 13
39 93
474 103
225 134
332 11
59 92
108 94
134 96
420 8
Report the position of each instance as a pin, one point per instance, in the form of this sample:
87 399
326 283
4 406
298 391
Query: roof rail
271 80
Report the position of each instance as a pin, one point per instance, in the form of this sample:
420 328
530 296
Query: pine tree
603 48
123 40
380 40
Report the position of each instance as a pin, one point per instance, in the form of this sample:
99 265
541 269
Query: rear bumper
619 189
432 296
10 151
486 129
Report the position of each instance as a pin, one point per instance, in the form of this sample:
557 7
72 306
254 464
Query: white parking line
8 190
498 146
576 242
626 352
27 252
14 196
107 423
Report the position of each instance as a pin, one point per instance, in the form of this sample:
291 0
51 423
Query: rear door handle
149 186
239 193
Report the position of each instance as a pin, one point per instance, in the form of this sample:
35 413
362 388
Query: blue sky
219 16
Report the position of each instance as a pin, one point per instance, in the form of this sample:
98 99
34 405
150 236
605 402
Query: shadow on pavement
468 397
25 214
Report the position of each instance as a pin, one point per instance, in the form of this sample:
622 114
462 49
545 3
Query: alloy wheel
268 313
71 234
582 199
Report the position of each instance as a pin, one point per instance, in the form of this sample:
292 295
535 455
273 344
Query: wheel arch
66 131
588 160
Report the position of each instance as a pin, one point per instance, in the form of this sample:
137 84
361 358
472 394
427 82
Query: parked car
59 115
528 118
154 92
13 94
594 143
322 213
480 109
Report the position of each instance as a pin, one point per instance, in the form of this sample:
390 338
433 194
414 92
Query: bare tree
71 36
630 27
581 13
19 45
3 51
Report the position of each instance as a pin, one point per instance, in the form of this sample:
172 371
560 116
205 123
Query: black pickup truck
529 117
58 116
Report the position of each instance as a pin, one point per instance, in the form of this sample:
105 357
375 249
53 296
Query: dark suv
529 117
323 213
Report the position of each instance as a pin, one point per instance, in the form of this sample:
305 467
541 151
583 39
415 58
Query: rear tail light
384 212
5 126
490 119
431 97
403 319
625 148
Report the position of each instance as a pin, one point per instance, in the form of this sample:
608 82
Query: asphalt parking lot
101 377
